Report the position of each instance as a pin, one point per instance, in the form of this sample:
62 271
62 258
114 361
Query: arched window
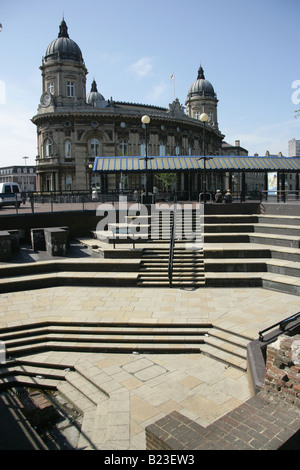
68 153
95 147
123 148
47 148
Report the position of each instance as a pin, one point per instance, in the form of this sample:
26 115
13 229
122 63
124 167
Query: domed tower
61 160
63 72
202 99
94 98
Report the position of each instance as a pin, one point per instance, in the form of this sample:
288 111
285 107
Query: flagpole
173 78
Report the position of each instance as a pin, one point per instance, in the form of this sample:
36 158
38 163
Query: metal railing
58 201
172 244
280 196
285 325
54 201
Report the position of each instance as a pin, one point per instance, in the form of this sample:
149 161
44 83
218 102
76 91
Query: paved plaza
197 386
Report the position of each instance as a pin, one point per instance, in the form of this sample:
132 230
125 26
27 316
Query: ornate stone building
73 126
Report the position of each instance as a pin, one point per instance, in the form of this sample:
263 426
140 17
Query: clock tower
64 73
61 160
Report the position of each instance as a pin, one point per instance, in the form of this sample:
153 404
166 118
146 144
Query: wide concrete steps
102 401
188 268
176 338
91 392
227 347
106 338
274 238
95 272
276 268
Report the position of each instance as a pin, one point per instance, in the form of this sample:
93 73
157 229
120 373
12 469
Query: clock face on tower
46 99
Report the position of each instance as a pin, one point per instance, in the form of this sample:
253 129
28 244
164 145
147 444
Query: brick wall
270 420
283 369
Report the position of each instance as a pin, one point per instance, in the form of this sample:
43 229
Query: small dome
63 47
95 98
201 87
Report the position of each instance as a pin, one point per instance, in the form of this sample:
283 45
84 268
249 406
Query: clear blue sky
249 50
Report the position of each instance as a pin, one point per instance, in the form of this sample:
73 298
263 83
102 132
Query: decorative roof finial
201 73
63 30
94 86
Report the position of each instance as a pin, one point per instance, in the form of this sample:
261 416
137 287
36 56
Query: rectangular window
162 149
123 148
70 89
68 149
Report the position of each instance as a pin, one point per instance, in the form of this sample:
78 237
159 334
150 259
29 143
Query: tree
168 179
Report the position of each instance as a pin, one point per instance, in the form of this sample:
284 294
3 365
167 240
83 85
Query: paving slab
153 385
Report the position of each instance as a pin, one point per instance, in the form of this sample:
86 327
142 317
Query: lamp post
90 175
146 120
204 118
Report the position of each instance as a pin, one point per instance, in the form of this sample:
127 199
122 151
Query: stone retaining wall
283 369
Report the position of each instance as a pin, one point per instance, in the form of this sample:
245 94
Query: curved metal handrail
282 326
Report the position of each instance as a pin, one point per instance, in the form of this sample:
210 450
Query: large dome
201 87
63 47
95 98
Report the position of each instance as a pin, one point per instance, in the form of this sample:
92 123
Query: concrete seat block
38 239
15 240
56 240
5 245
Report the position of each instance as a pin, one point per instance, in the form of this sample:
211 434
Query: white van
10 194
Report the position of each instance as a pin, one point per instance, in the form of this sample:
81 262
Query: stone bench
124 228
123 231
37 236
54 240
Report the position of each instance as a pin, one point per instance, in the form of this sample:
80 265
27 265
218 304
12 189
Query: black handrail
172 244
282 326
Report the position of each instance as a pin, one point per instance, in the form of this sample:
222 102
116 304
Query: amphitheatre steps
117 337
52 273
188 267
235 250
95 394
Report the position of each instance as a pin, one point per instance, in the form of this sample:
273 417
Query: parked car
10 194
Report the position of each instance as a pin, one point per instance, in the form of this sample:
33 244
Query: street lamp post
204 118
146 120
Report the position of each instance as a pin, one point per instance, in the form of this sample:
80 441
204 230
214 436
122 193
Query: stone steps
109 338
276 266
252 237
102 401
99 272
40 281
188 268
90 391
227 347
248 236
